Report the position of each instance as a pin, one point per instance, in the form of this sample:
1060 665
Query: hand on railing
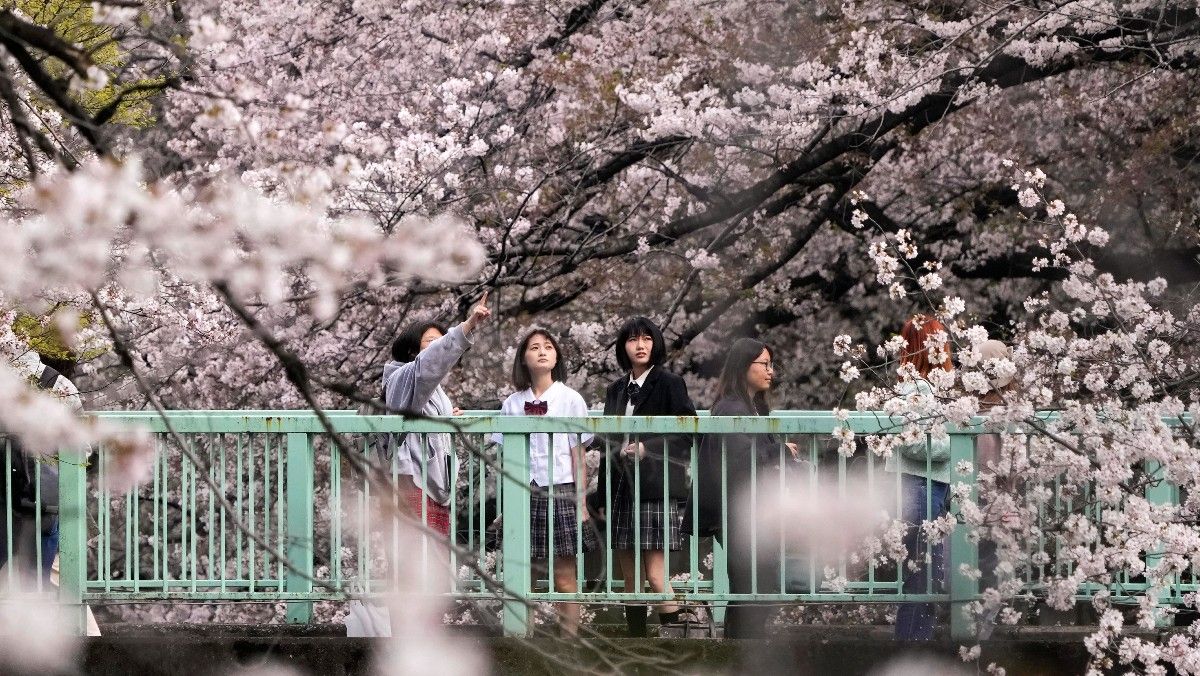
637 449
795 450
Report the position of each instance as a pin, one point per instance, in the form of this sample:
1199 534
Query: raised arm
423 375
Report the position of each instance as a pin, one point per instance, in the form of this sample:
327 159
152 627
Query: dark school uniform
659 392
741 451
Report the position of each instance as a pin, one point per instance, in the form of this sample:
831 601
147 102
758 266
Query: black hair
521 378
407 345
733 376
640 326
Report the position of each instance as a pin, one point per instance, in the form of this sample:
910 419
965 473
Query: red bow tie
536 408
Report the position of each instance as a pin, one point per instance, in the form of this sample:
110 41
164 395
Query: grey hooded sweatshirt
416 387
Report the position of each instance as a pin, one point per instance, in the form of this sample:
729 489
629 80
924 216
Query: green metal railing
287 483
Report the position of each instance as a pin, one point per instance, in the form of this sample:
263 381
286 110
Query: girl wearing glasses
741 391
538 371
645 388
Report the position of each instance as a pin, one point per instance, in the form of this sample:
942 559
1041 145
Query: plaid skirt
437 516
650 522
565 526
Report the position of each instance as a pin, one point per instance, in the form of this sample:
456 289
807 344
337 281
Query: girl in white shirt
537 374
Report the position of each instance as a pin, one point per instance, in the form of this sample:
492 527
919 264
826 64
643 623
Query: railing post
72 528
299 525
720 580
962 550
517 576
1159 492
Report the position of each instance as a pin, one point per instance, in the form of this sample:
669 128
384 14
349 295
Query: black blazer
663 393
738 449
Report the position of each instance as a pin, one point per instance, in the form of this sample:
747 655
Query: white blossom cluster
101 232
1098 423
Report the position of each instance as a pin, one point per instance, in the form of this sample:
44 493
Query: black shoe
635 620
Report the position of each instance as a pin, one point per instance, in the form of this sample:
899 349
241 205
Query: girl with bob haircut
414 338
924 470
538 370
645 388
742 390
422 357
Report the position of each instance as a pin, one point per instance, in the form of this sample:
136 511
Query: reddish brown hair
915 332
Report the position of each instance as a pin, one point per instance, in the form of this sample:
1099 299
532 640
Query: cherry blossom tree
692 163
185 174
1092 494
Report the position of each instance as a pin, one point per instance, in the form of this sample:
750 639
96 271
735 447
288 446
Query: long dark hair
521 378
733 374
407 345
640 326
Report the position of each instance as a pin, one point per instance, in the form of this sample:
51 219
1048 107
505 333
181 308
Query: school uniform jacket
662 393
739 449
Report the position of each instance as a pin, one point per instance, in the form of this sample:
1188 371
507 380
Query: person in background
924 469
987 446
34 483
53 376
422 356
645 388
742 390
538 371
987 459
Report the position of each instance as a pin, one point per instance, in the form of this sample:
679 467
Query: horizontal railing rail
319 533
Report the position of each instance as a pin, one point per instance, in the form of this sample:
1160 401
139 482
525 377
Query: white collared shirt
560 401
641 382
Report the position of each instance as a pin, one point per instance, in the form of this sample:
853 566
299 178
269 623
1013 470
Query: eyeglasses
765 364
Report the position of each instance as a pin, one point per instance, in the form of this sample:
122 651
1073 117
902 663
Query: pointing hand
479 314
